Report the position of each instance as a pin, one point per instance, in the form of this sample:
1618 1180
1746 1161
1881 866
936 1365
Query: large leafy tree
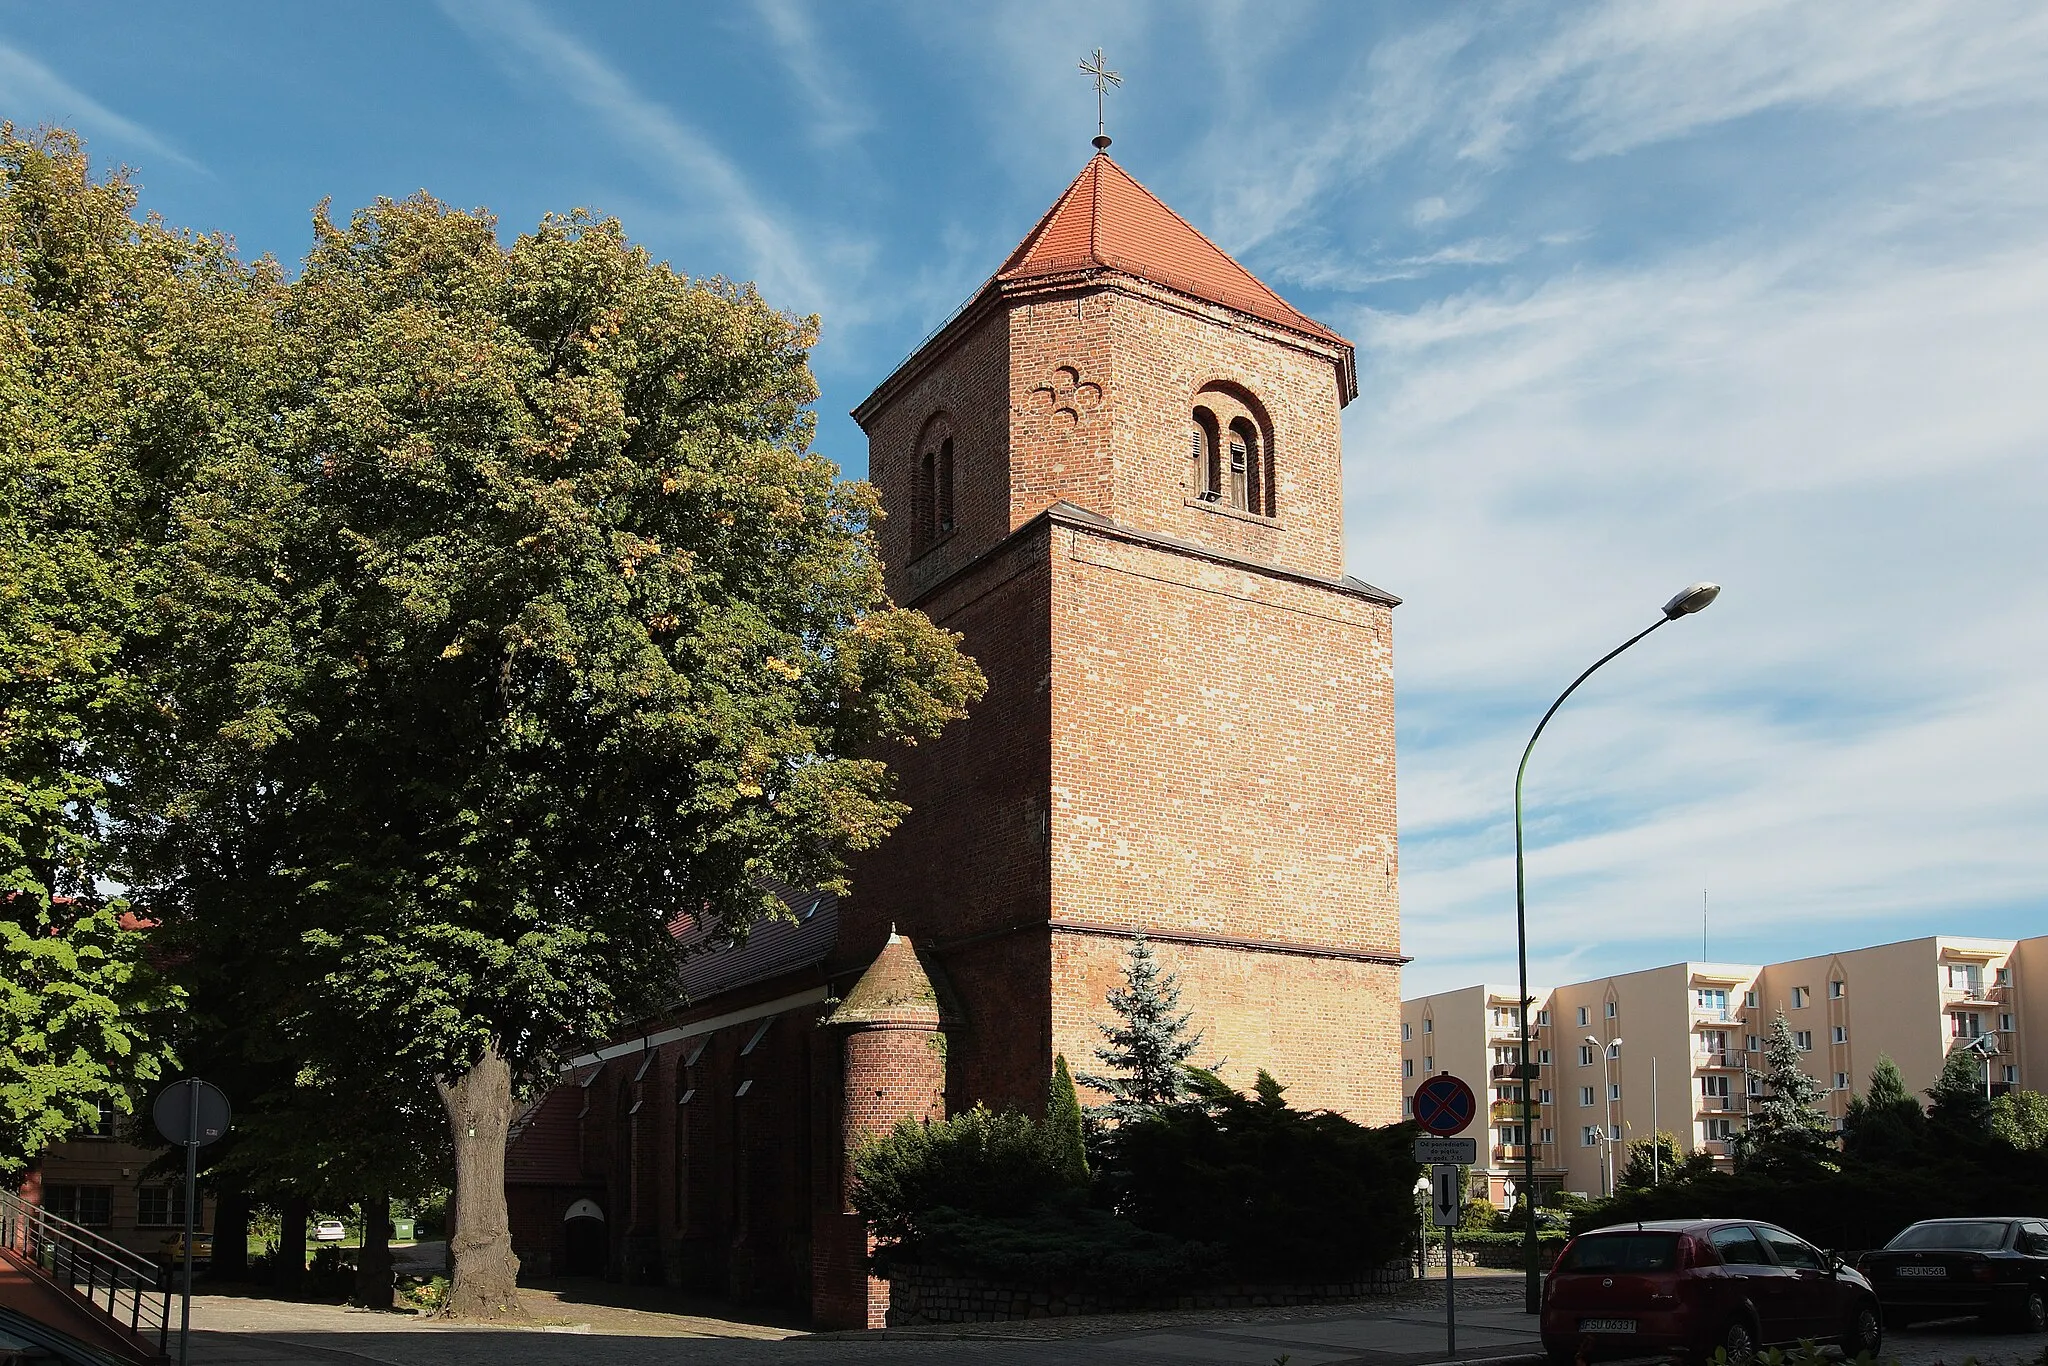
1787 1132
531 626
122 349
2019 1119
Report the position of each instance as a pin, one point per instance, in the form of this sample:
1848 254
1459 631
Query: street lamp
1985 1046
1693 599
1610 1049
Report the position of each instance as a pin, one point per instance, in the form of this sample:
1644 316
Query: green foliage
1657 1159
110 329
2019 1119
1060 1244
1146 1050
1787 1132
1886 1123
1960 1111
1286 1192
1063 1125
979 1162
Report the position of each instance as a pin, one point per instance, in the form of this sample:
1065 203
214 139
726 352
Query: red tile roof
1107 220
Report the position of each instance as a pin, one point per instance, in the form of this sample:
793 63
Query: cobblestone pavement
1399 1331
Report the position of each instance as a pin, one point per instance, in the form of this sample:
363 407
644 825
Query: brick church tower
1116 472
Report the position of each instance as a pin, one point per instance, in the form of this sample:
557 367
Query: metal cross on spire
1104 78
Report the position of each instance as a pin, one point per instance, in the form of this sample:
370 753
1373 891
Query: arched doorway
587 1248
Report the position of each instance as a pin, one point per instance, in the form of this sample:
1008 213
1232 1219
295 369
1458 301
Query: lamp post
1693 599
1610 1049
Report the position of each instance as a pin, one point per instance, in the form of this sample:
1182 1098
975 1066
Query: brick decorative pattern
926 1295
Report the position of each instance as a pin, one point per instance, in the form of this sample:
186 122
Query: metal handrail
125 1286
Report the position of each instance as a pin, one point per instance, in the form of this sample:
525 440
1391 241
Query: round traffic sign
191 1113
1444 1105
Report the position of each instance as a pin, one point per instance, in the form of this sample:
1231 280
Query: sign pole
191 1193
1450 1291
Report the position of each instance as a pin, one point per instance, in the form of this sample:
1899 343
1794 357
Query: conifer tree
1146 1049
1885 1123
1960 1107
1787 1132
1064 1134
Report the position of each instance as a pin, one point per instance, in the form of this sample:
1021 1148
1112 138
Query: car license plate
1922 1271
1607 1325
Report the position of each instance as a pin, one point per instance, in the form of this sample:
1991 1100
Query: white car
329 1231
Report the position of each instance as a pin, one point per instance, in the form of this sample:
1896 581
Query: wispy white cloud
28 83
527 42
838 116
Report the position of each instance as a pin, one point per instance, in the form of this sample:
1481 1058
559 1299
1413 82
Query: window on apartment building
92 1206
1752 1044
2005 1024
2012 1075
1611 1007
1511 1135
1749 1000
1614 1133
2003 976
1543 1057
1965 1024
1585 1055
1508 1092
102 1125
1585 1095
1756 1084
1841 1033
1585 1017
1407 1031
1966 977
1589 1137
1714 1091
1407 1067
1429 1062
1407 1107
1543 1096
1836 988
1543 1016
1722 1129
1802 1040
1713 999
1841 1081
160 1207
1545 1136
1799 995
1614 1049
1429 1026
1614 1090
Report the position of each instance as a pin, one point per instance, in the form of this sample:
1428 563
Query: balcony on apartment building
1506 1111
1720 1060
1508 1071
1719 1105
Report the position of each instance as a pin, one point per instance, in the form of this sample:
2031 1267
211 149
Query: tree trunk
373 1263
288 1269
479 1105
230 1235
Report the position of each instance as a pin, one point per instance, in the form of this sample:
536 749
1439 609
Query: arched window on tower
945 488
927 482
1206 477
1246 495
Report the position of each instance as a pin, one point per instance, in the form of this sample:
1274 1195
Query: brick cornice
1095 524
1206 941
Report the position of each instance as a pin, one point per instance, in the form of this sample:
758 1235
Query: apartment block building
1680 1047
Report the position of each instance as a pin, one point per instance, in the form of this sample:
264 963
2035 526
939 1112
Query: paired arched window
1230 454
932 499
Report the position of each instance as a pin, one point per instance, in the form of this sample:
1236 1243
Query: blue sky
1643 293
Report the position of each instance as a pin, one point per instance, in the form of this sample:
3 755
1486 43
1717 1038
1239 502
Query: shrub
1286 1192
979 1162
1060 1244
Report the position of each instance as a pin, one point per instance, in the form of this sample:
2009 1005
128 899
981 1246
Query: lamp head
1591 1040
1693 599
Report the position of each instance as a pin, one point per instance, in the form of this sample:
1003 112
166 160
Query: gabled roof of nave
1107 220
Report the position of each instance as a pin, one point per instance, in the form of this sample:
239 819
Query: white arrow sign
1447 1196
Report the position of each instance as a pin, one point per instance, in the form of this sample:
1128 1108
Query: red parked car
1691 1285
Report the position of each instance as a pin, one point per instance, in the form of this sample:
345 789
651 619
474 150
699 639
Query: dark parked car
1691 1285
1940 1268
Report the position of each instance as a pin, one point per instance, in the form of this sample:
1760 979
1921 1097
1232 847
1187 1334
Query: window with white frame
1546 1136
1543 1096
1429 1025
1841 1081
1799 995
1407 1031
1585 1055
1614 1090
1614 1049
1841 1033
1967 977
1722 1129
1407 1067
1749 1000
1612 1006
1543 1057
1589 1137
1542 1017
1584 1016
1614 1133
1965 1024
1754 1045
1756 1084
1511 1135
1585 1095
1802 1039
2012 1075
1711 999
2005 1024
1429 1062
1836 988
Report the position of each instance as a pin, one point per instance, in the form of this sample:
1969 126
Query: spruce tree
1146 1049
1063 1130
1787 1132
1885 1123
1960 1108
